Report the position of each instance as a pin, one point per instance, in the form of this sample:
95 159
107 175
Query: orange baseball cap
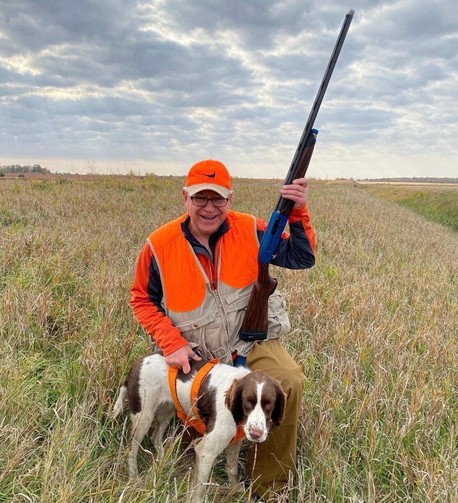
208 175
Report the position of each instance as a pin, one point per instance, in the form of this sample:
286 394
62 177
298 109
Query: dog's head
257 402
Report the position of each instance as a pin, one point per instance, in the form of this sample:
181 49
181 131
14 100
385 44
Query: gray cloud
155 86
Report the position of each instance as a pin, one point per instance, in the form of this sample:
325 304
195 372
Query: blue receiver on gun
272 237
278 220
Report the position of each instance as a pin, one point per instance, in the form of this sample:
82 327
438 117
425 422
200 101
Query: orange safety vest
237 264
195 421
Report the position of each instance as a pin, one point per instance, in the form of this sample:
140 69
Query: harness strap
195 421
197 382
239 434
172 376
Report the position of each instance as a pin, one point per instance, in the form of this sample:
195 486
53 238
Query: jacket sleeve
296 249
146 303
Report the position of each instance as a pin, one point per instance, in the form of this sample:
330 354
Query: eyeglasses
201 202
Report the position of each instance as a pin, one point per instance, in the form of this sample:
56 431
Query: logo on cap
208 175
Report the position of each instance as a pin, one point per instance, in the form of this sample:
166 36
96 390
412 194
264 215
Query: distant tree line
413 180
16 168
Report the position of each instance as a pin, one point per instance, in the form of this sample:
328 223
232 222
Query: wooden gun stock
256 320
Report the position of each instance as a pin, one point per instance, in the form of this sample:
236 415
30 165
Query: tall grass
438 203
374 325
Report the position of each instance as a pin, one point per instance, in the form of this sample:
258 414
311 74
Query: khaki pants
276 457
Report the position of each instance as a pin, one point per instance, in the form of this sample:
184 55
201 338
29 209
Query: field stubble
374 325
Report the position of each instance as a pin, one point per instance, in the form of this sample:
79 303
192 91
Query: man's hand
180 358
296 192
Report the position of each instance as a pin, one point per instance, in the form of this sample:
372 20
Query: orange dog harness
195 421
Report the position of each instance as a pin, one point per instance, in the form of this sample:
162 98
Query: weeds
374 326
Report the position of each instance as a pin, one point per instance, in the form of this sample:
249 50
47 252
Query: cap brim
199 187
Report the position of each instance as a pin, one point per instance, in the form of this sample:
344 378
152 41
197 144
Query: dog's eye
249 404
267 406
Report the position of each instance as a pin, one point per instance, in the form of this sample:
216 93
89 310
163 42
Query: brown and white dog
229 397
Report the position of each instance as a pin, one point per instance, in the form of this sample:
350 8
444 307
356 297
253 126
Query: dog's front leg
207 450
232 462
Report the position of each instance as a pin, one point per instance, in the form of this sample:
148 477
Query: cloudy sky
139 86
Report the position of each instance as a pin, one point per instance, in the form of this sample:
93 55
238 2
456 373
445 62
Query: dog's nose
255 433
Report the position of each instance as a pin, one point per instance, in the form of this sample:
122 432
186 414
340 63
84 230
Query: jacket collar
197 247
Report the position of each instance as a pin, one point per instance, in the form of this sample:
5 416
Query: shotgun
255 322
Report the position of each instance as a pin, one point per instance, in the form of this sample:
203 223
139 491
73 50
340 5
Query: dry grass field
374 326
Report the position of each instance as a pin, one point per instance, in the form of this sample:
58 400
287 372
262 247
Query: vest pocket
278 317
237 301
206 336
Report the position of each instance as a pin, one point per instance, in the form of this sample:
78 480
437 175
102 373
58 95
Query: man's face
205 220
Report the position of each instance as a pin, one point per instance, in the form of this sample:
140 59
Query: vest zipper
215 266
215 270
222 311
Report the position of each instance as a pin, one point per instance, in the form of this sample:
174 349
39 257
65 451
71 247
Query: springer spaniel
229 397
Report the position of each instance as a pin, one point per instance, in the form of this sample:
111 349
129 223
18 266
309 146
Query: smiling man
192 285
207 197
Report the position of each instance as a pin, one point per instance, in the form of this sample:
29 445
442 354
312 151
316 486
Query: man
192 284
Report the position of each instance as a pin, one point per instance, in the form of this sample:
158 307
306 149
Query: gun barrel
292 173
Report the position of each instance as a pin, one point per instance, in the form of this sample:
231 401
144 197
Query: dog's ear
233 401
280 403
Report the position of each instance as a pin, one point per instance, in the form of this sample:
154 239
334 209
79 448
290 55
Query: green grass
374 327
438 203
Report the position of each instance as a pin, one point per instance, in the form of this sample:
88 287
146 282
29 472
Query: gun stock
255 323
